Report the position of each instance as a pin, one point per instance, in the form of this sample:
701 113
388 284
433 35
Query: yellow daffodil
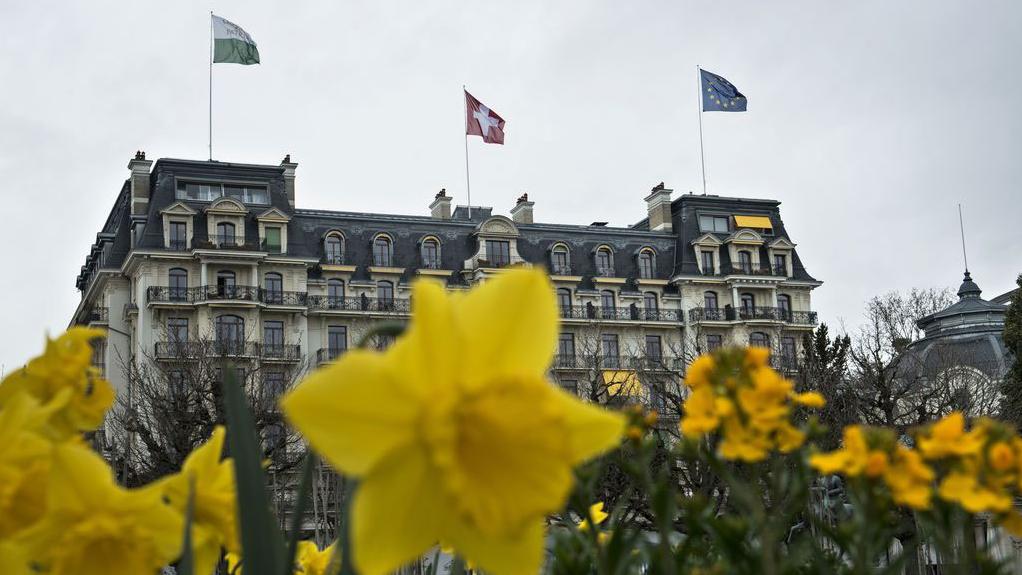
94 527
964 488
812 399
13 560
455 431
214 523
909 479
597 513
699 373
63 380
312 561
233 563
24 466
948 437
700 412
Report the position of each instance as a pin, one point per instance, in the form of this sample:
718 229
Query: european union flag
719 95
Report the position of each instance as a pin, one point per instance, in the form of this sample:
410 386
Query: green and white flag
231 44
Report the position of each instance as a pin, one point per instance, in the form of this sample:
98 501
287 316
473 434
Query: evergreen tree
1012 384
824 368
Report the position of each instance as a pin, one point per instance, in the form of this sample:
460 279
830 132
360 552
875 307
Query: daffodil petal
397 513
353 412
520 554
591 429
431 349
512 320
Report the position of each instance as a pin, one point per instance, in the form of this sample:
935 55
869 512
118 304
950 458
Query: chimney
658 202
289 179
139 167
441 206
522 212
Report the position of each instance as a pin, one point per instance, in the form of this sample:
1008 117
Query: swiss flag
482 121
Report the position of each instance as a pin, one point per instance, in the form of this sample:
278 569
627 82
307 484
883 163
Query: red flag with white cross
482 121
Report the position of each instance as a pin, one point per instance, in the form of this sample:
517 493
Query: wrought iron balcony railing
601 361
225 293
629 313
178 245
363 304
754 313
334 259
226 243
327 354
197 349
747 269
710 314
279 351
276 297
98 314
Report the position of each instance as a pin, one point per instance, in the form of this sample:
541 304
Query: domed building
961 360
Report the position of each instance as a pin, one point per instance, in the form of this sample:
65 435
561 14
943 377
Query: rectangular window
271 242
246 194
177 331
498 253
566 350
273 338
176 381
178 235
708 267
654 351
198 192
780 265
611 354
715 224
714 342
273 383
336 340
788 352
570 385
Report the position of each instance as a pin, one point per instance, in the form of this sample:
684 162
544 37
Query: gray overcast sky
869 120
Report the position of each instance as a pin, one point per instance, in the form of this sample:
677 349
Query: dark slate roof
687 208
968 311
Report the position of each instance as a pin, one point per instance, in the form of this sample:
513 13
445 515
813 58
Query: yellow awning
755 222
621 383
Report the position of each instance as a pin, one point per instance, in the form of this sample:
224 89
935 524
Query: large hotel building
200 255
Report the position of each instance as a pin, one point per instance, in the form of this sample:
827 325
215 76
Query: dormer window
498 253
430 253
559 261
178 235
382 251
271 240
333 246
780 265
707 261
225 234
647 264
745 262
604 262
714 224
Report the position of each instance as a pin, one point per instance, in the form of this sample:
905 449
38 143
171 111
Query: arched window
178 285
230 334
651 305
604 262
564 301
647 264
335 294
748 305
710 300
560 262
273 284
225 234
385 295
430 252
784 306
607 304
745 262
759 339
333 248
382 251
226 286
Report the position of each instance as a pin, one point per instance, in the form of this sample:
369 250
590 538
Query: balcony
177 245
600 361
327 355
226 243
276 297
279 352
359 304
205 349
163 294
753 314
630 313
98 315
333 259
748 269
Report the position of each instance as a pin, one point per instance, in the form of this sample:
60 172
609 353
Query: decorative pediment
178 209
781 244
745 236
707 240
498 226
273 215
227 207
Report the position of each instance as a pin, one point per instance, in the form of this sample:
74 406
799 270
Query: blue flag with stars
719 95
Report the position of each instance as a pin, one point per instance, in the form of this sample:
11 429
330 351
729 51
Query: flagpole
468 180
211 85
699 109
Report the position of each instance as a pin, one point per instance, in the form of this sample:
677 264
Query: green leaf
304 487
262 544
